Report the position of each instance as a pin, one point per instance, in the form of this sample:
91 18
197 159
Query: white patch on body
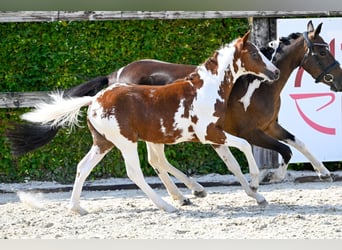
182 123
208 94
246 99
162 127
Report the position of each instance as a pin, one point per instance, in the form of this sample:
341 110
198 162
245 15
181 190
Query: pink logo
311 123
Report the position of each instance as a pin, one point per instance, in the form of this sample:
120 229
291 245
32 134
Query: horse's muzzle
336 86
273 75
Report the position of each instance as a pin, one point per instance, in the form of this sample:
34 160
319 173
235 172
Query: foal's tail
26 137
61 112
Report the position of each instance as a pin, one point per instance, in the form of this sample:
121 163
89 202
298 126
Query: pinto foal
190 109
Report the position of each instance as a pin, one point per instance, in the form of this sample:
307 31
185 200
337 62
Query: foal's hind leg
84 168
159 162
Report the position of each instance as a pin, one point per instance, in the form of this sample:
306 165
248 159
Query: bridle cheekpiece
327 77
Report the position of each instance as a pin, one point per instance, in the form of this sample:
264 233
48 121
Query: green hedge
58 55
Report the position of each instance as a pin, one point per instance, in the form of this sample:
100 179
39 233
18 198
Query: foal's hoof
185 202
78 211
271 177
200 194
263 203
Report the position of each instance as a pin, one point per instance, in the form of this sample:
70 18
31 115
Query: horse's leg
322 171
277 131
131 157
159 162
84 168
261 139
233 166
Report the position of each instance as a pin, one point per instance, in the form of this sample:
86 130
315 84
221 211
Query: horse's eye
323 53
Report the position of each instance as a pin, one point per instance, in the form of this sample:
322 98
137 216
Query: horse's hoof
185 202
200 194
326 178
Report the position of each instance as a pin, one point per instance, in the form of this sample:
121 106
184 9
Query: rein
329 78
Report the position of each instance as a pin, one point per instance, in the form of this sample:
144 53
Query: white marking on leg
317 165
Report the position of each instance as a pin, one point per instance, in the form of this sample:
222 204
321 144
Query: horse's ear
246 37
310 27
318 30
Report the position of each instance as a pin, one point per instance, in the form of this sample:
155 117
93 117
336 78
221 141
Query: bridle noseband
329 78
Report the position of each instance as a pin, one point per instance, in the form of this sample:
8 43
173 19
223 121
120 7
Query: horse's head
253 61
318 60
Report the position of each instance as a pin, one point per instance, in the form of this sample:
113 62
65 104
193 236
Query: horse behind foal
191 109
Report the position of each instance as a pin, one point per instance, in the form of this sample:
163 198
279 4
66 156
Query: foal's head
253 61
318 60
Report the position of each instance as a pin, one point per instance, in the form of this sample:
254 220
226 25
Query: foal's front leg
157 159
233 166
130 154
155 162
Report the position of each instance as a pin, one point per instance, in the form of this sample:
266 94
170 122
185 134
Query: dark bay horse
189 109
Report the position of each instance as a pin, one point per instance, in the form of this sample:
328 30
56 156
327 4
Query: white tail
60 112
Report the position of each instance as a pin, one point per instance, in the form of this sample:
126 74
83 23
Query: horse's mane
267 51
283 42
287 40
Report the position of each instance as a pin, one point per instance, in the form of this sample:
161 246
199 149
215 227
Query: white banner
310 111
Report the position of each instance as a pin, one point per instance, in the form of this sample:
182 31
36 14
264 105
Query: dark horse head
319 61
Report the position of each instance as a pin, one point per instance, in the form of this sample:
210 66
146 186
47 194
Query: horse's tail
89 88
61 112
26 137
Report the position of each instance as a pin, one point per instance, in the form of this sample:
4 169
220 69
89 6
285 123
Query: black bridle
327 77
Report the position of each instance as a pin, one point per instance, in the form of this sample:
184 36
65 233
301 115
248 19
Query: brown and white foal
190 109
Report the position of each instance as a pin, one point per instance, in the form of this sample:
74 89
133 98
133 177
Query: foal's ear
245 37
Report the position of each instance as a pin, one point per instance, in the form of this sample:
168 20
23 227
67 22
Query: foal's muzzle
273 75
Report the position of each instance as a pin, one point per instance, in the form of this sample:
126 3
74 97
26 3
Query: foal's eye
255 55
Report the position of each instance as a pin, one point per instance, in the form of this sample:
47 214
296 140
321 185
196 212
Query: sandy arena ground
296 210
